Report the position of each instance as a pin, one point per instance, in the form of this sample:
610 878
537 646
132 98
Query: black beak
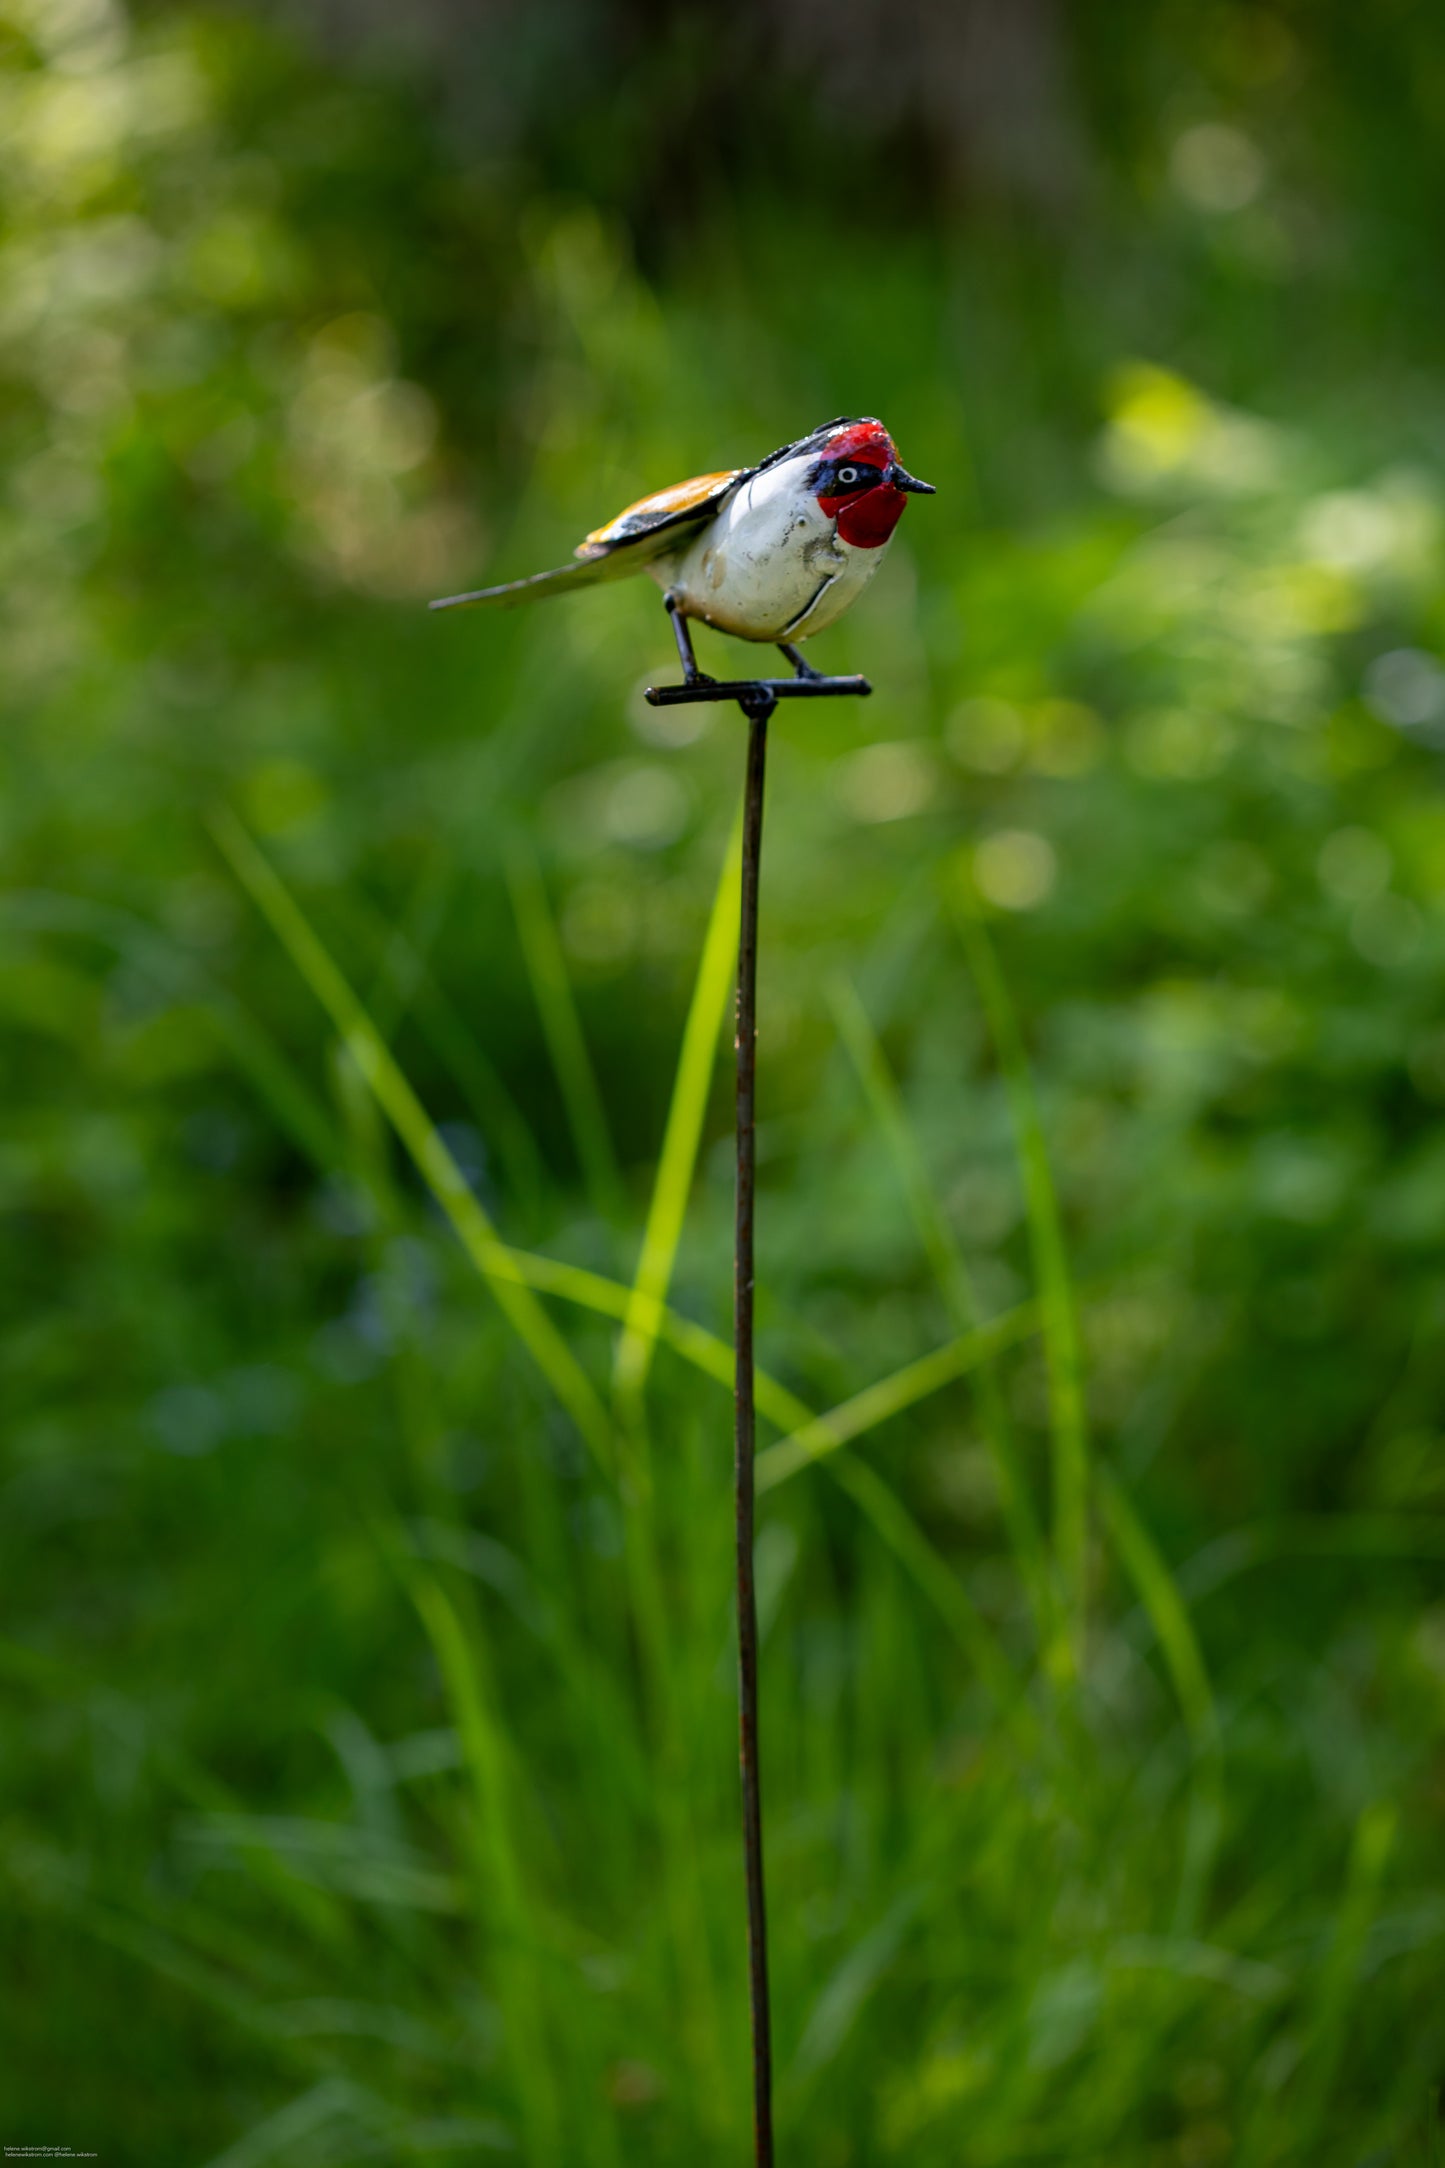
902 479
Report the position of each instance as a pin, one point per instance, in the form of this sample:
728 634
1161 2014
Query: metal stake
758 710
757 697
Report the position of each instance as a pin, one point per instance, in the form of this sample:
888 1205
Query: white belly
771 566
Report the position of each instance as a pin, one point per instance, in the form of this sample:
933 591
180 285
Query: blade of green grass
296 1108
446 1030
1291 2126
895 1526
503 1900
951 1273
683 1134
414 990
562 1028
588 1290
1159 1592
836 2010
408 1375
1062 1345
1362 1536
319 1913
662 1647
333 1856
279 2135
958 1358
419 1136
51 1888
604 1727
404 941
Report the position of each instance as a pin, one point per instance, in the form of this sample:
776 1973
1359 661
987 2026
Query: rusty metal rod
758 710
757 697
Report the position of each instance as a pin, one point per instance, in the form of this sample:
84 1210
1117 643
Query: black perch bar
749 691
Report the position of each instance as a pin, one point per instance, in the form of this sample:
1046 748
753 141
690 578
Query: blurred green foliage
369 1780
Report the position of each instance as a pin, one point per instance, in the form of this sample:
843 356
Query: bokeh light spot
1406 687
1216 168
886 782
987 735
1015 869
1354 864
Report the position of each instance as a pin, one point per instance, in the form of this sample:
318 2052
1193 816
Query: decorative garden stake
770 553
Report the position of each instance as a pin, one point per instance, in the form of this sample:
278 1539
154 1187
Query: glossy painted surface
773 564
662 505
868 521
772 552
857 490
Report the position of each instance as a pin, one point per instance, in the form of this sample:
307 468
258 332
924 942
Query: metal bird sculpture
771 553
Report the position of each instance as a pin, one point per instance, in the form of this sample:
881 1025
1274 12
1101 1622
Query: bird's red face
859 482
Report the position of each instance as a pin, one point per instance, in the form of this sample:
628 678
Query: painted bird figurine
773 553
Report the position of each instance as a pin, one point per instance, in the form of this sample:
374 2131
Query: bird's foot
801 668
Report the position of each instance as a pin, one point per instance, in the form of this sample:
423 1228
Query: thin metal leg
805 683
690 671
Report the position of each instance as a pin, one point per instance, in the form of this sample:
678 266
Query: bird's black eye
839 477
853 474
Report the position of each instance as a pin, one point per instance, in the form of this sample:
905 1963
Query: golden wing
646 530
684 504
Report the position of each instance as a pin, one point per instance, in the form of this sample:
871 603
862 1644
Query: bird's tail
590 572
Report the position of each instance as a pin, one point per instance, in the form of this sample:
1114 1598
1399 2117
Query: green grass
677 1160
547 970
366 1699
611 2000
